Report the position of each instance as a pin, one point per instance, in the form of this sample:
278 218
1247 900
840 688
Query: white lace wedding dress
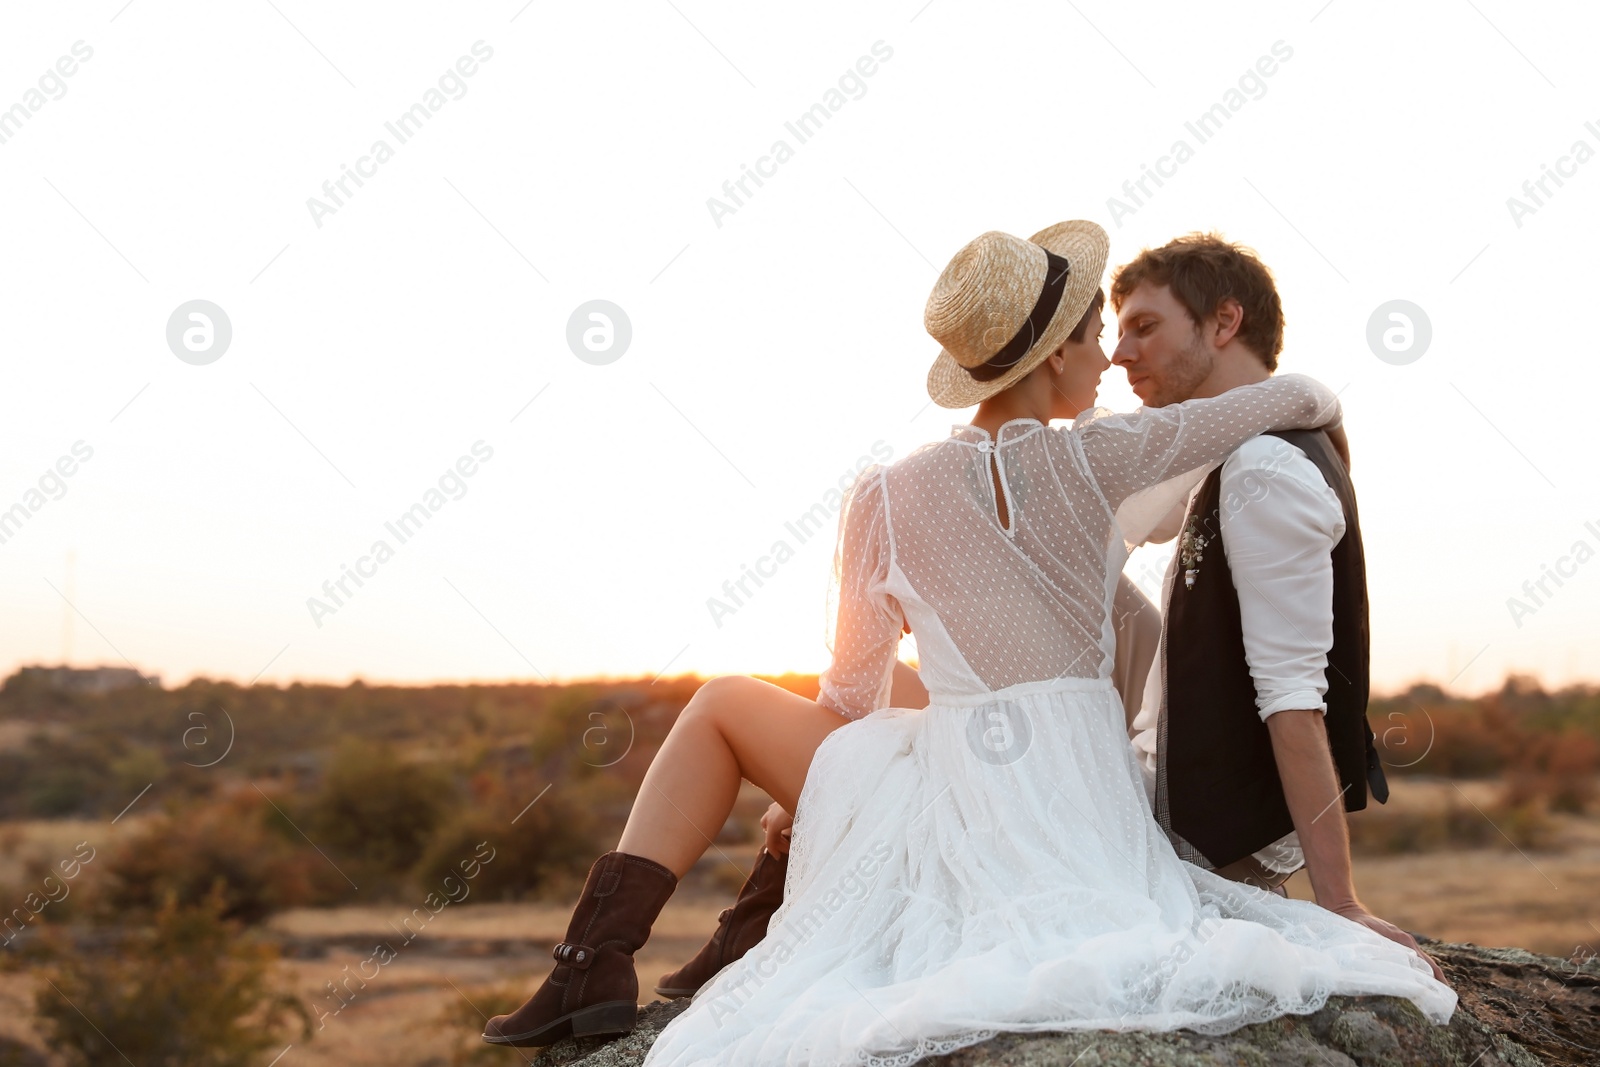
990 863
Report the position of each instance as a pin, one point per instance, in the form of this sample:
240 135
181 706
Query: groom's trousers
1138 625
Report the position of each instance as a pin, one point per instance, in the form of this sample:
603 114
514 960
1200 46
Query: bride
989 863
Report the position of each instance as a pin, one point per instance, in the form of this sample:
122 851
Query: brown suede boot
739 928
593 988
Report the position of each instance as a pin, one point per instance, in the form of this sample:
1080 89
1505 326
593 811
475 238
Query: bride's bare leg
732 728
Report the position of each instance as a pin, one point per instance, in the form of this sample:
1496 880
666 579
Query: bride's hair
1078 331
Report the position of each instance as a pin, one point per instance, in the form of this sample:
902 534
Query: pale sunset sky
405 211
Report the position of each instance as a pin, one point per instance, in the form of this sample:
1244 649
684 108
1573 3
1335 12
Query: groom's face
1160 347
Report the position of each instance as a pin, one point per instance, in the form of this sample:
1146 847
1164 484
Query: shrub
377 810
186 992
1457 826
558 836
87 770
14 1053
186 852
1558 771
1454 741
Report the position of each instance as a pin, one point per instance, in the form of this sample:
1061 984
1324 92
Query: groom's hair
1202 270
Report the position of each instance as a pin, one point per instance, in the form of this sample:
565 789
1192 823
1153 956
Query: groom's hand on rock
1358 914
776 823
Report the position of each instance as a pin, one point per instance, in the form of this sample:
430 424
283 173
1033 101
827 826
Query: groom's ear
1226 321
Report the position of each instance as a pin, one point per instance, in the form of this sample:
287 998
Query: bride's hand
776 822
1358 914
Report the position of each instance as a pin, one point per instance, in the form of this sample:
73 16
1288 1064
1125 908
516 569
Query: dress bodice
995 606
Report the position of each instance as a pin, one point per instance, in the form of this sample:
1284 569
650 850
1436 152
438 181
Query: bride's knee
722 693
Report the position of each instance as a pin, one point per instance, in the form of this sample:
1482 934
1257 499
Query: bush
226 844
1441 739
87 771
185 993
1377 831
557 837
377 811
1557 771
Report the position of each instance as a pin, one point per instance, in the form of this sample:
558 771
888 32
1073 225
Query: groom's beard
1187 371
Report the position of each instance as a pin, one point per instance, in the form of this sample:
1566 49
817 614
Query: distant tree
187 992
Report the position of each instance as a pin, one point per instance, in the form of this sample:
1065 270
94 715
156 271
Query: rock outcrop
1516 1009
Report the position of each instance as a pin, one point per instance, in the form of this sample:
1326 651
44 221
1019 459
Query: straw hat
1004 304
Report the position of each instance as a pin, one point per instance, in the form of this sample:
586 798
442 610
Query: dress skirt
990 864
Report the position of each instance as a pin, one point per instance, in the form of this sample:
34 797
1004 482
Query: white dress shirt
1280 521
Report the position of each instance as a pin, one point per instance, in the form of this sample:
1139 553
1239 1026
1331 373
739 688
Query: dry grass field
1542 900
472 957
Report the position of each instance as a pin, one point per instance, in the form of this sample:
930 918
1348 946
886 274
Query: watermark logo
1537 192
1536 592
1156 983
51 87
199 332
818 518
608 724
1399 736
56 889
999 736
599 332
790 930
1252 85
851 85
198 736
1399 332
384 953
402 528
451 85
52 485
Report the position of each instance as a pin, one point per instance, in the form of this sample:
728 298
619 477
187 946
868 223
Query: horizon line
1586 684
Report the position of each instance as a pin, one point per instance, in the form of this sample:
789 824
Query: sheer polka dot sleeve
1127 453
865 629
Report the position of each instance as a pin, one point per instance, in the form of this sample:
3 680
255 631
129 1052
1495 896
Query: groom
1253 727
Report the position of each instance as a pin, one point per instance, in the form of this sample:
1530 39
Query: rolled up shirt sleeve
1280 521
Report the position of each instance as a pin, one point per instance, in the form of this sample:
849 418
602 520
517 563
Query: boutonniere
1190 550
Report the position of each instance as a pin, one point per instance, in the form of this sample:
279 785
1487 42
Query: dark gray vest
1218 795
